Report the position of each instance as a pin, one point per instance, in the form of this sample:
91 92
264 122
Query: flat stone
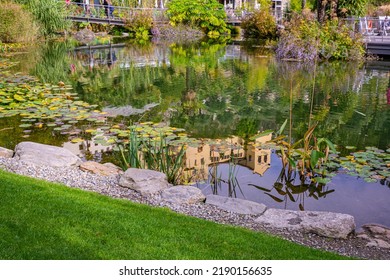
144 181
363 236
6 153
372 244
41 154
376 229
382 244
100 169
183 195
236 205
326 224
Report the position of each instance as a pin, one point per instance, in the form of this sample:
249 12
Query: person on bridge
108 8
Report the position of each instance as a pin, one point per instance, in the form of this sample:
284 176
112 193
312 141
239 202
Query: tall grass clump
155 154
16 24
49 14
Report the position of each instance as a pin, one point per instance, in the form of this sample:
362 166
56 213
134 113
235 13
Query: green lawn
41 220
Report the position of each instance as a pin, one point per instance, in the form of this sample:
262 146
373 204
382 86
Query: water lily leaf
25 125
77 140
321 180
19 98
370 180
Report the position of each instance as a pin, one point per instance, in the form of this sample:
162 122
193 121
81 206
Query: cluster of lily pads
372 165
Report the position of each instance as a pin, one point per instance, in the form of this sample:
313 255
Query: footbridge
118 15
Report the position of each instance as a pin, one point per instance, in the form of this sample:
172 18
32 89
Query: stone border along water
151 187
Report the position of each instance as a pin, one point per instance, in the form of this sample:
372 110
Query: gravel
108 185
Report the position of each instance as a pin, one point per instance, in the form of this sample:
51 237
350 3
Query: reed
155 154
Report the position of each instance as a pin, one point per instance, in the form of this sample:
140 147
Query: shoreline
354 246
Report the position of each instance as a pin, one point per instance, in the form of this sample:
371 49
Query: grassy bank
41 220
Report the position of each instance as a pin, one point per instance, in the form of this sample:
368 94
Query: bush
16 24
208 15
140 25
305 39
261 24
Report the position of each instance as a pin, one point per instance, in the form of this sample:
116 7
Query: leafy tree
208 15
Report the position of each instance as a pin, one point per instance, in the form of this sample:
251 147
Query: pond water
219 91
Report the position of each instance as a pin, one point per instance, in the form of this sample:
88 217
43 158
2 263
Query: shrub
305 39
16 24
261 24
208 15
140 25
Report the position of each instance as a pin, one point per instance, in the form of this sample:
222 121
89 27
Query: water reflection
202 161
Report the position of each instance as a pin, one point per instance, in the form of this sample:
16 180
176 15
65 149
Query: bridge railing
83 10
371 26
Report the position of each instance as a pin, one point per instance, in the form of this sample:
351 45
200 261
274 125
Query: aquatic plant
372 165
155 147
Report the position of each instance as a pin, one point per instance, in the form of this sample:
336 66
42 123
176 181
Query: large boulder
236 205
106 169
6 153
41 154
326 224
144 181
183 195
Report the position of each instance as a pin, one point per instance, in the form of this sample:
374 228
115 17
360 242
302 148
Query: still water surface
219 91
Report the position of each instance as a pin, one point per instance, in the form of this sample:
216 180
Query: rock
376 229
144 181
326 224
363 236
41 154
379 243
6 153
84 36
382 244
183 195
101 169
372 244
236 205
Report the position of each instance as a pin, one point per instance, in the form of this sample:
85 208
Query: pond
226 93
